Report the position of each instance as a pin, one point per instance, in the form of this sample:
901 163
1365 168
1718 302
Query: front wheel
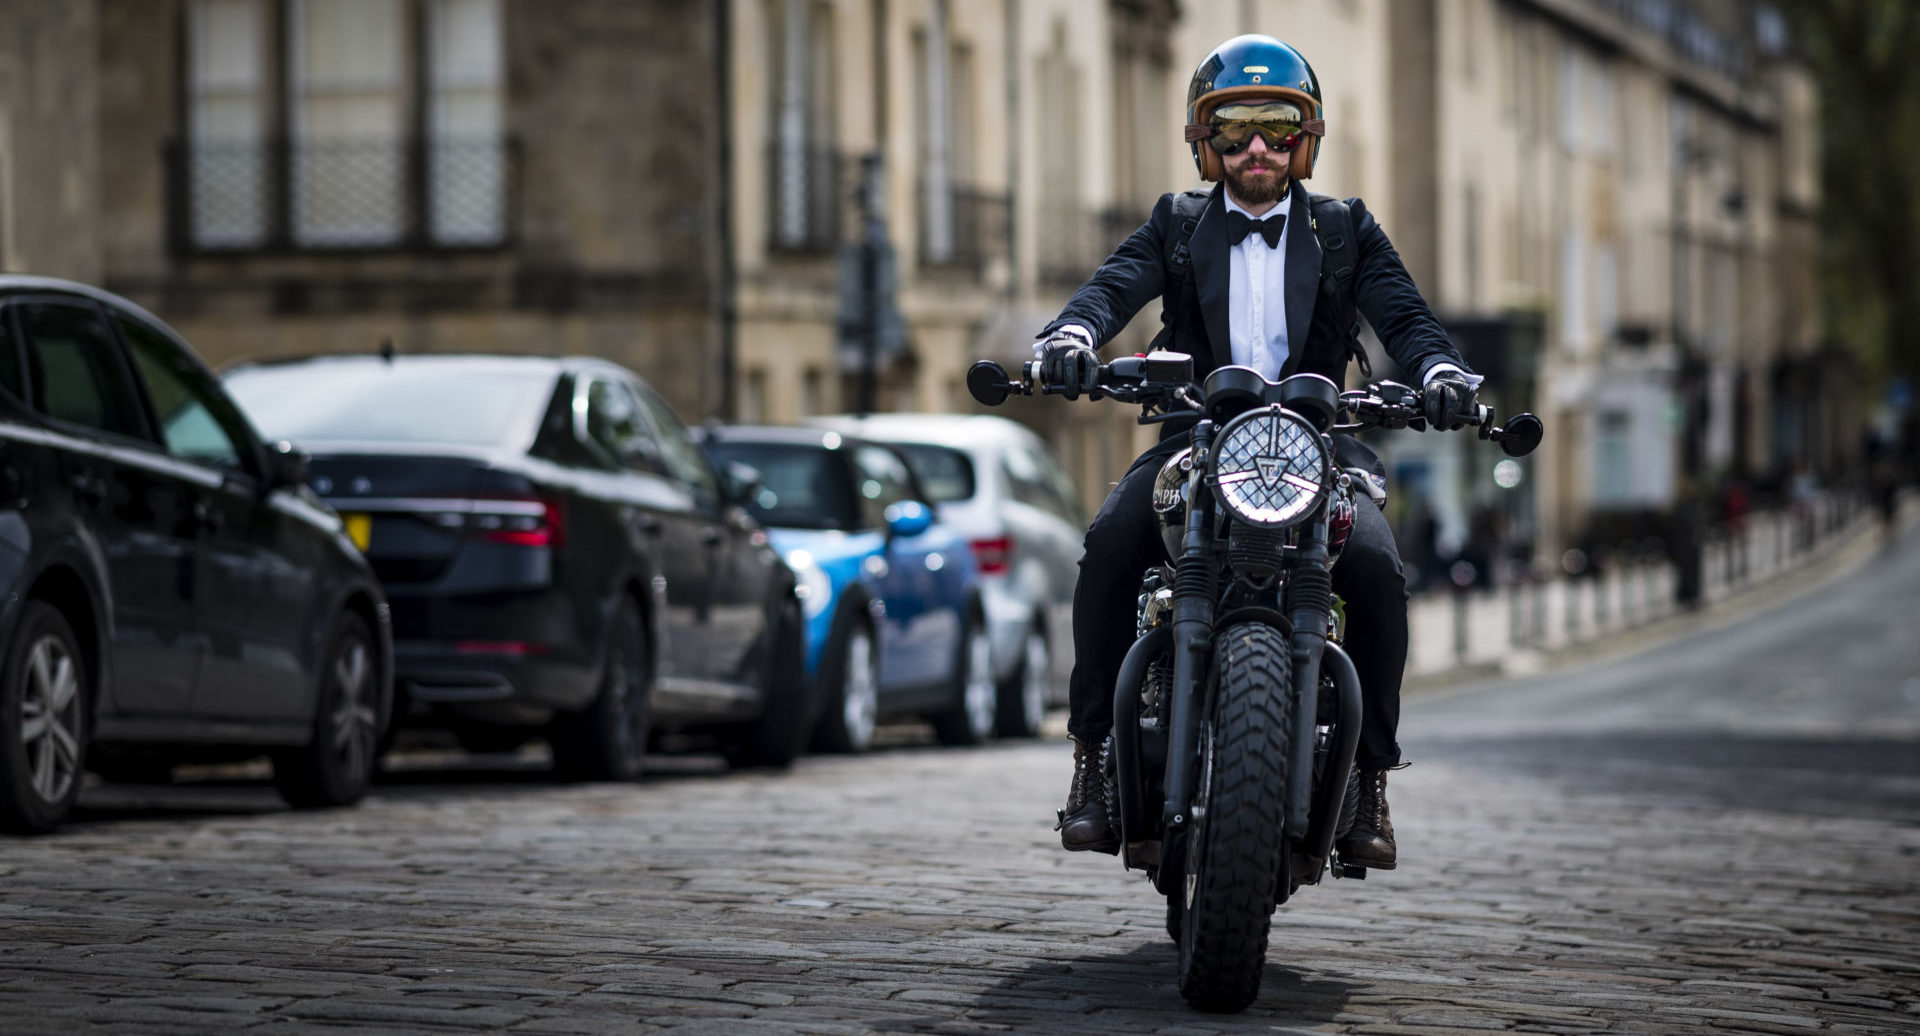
43 719
850 682
1023 698
1236 838
969 720
335 767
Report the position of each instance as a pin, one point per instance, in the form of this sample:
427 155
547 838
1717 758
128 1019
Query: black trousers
1124 540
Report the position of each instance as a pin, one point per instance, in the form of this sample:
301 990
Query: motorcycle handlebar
1149 380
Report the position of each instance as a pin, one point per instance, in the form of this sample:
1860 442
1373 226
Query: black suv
172 588
561 559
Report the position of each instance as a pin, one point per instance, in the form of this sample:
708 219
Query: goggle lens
1235 125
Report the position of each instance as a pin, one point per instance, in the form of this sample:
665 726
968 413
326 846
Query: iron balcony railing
1073 242
414 193
812 199
975 227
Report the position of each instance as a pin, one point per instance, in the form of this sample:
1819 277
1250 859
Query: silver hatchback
999 485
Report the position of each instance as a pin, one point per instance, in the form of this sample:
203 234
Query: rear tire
1023 698
43 722
969 719
1237 838
607 741
336 766
850 685
778 737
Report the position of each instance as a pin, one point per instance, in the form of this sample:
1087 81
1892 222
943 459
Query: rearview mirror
1521 435
908 518
741 482
987 382
287 465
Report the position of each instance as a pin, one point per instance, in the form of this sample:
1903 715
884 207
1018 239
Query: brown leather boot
1370 843
1085 824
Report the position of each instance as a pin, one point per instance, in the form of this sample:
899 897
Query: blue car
894 620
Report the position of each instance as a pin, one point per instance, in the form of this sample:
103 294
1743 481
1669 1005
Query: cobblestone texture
1603 851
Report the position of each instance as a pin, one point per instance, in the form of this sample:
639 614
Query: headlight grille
1270 468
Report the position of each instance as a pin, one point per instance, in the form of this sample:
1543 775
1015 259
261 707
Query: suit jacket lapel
1208 250
1303 276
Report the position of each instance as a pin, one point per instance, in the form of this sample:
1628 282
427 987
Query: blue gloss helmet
1253 67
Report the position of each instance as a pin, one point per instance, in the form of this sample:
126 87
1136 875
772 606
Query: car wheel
851 677
336 765
969 720
778 736
607 741
1023 698
43 720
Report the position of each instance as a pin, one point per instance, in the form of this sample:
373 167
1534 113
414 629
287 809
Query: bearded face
1256 176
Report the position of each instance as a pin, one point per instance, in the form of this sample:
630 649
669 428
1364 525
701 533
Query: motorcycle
1229 771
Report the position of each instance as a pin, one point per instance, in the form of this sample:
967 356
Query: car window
683 458
801 486
76 370
944 474
882 480
615 425
11 377
197 422
364 399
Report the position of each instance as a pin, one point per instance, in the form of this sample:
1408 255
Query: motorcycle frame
1310 820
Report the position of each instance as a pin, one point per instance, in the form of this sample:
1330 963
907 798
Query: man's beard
1257 190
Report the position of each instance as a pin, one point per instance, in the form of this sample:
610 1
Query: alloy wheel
860 698
50 718
355 723
1035 672
979 696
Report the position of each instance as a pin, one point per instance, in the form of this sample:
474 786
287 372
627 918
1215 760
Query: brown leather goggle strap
1197 132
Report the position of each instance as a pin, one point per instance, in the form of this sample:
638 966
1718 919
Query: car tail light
994 556
522 521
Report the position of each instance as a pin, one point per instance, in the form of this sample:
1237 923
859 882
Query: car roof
26 283
786 435
963 431
549 365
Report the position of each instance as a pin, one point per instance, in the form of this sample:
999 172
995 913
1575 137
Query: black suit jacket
1320 329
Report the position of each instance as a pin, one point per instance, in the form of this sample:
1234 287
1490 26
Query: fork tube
1309 598
1192 634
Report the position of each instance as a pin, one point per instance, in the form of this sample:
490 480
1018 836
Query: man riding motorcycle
1262 274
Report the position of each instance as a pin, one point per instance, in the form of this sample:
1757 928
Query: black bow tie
1239 225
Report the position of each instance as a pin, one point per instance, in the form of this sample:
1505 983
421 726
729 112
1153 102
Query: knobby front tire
1236 840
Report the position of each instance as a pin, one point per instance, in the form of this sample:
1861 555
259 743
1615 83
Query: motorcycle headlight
1270 468
811 584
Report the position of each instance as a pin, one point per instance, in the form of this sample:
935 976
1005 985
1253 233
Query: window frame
248 445
143 407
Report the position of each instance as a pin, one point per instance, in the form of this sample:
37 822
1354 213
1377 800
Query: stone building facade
1610 202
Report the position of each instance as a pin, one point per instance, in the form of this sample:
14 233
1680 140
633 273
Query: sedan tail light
994 556
521 521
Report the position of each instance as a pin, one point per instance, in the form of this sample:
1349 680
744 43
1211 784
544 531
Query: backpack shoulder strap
1176 258
1332 221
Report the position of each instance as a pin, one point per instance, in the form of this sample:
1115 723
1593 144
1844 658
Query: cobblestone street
1721 833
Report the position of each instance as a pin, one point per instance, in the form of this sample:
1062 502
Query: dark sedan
560 558
171 588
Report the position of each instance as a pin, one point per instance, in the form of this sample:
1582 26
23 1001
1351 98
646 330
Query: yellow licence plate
359 529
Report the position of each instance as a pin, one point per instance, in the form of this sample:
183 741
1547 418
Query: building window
383 127
227 122
807 170
1613 459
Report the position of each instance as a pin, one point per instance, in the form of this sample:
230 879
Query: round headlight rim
1324 474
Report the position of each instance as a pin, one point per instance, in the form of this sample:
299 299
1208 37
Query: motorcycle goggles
1280 124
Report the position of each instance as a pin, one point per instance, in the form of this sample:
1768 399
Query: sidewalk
1530 628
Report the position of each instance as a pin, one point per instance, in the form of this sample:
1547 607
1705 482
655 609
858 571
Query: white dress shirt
1257 295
